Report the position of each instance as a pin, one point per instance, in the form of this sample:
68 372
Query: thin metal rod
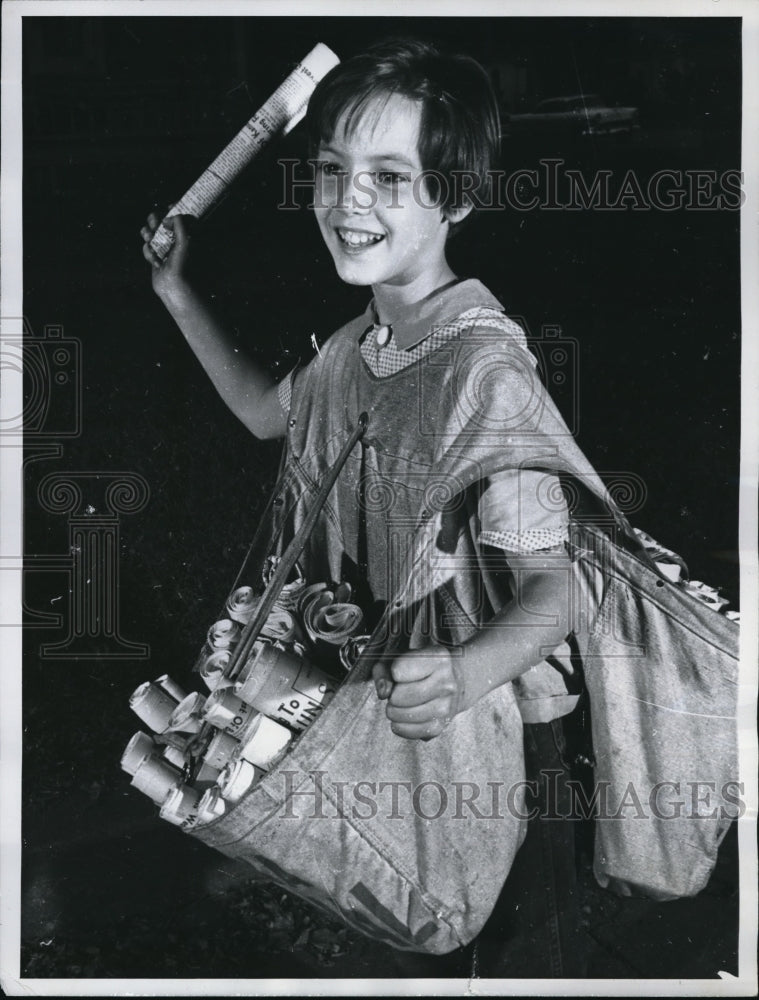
278 579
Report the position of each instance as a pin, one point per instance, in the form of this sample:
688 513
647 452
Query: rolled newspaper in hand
281 113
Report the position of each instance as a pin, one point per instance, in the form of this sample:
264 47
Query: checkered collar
443 305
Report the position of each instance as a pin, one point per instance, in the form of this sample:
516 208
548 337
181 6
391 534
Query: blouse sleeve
522 511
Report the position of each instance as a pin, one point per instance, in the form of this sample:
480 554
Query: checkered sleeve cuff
285 392
524 542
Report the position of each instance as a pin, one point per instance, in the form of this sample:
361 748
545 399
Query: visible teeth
355 239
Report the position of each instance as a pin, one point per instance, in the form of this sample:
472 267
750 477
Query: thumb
180 225
382 680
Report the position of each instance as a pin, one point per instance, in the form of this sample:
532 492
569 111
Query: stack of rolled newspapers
205 751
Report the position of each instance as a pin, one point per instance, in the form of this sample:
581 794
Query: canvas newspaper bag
410 841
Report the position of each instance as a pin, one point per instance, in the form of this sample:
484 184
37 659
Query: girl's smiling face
373 207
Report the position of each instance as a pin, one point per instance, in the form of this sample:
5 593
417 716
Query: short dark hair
459 125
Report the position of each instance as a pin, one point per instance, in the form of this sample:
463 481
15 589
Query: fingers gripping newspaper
278 116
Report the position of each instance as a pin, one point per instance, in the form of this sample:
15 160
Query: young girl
405 139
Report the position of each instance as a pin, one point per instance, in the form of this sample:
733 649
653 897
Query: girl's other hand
170 274
427 691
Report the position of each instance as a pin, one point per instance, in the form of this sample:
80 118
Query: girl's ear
456 213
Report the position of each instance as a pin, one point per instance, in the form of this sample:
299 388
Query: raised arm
245 386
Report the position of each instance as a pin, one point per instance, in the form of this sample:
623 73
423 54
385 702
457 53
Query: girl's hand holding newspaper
170 275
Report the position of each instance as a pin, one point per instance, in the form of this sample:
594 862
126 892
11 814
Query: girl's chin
352 273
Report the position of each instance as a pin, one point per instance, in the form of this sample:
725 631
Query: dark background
121 114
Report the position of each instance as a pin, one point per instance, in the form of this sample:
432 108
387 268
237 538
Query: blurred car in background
574 116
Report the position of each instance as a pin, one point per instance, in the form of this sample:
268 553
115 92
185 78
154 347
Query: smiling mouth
356 239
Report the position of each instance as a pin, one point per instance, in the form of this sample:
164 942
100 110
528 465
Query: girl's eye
330 169
390 178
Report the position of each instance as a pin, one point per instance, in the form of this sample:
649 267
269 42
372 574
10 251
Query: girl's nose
350 191
360 192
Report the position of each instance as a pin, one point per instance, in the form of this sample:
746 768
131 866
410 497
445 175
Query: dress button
383 335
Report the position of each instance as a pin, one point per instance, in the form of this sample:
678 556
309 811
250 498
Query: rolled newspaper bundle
265 743
181 741
153 704
174 756
290 594
211 806
285 688
279 114
171 687
213 667
180 806
156 778
248 665
237 777
329 618
220 749
308 594
206 775
708 595
281 626
187 717
670 564
138 749
225 710
241 604
352 650
224 634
